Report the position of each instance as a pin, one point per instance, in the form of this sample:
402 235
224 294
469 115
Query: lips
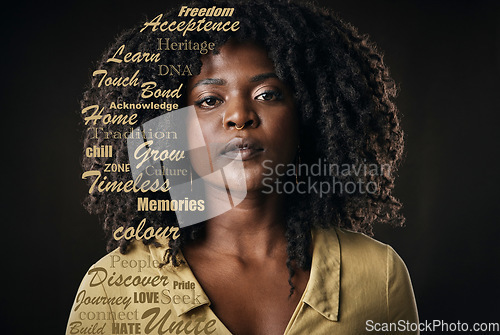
242 148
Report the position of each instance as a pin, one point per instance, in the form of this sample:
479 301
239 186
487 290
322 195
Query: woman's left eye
208 102
269 96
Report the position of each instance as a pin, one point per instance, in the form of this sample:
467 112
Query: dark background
444 54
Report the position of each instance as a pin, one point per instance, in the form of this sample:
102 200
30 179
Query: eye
208 102
269 96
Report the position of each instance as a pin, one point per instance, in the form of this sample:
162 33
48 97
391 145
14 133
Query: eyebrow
263 76
210 81
221 82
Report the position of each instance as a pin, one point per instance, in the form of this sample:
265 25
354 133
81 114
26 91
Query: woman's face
245 112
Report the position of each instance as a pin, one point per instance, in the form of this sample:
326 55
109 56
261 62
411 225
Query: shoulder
355 246
370 272
360 243
360 257
366 248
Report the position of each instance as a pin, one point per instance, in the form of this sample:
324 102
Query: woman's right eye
208 102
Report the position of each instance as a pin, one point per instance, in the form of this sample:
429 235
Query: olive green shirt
357 285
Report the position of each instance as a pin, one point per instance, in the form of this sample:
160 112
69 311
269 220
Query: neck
255 228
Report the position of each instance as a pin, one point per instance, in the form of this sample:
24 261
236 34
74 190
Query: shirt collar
323 289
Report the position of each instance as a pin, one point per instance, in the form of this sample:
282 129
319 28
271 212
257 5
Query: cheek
199 133
282 133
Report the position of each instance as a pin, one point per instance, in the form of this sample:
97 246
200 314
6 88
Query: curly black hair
344 97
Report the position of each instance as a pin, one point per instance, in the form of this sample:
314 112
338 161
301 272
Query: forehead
237 57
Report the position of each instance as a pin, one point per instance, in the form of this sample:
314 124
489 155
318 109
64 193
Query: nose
240 115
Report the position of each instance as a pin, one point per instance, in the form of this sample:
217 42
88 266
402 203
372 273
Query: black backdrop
444 54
